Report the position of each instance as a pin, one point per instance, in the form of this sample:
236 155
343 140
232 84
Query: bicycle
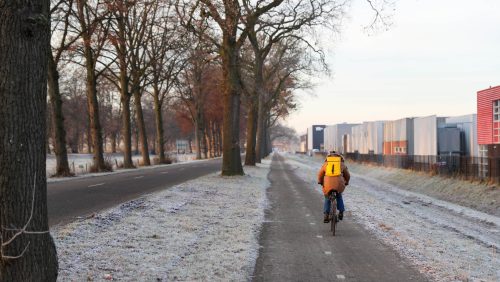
334 218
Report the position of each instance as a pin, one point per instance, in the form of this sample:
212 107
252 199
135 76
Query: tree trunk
268 143
231 154
113 143
261 112
219 140
93 110
197 139
24 49
160 143
126 132
62 165
89 137
251 134
143 138
136 141
209 139
124 94
92 102
213 147
204 144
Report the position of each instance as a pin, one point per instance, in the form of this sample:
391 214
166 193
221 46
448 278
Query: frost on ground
478 196
81 163
205 229
446 241
84 159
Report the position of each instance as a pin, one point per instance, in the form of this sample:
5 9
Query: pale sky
432 60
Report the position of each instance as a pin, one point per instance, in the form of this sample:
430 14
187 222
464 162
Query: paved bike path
298 246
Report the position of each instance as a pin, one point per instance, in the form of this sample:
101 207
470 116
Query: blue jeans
340 204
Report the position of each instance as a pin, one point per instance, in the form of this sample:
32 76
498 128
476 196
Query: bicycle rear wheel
333 215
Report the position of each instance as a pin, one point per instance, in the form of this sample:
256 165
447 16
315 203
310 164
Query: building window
496 110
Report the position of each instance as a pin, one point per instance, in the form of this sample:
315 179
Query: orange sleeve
347 175
321 174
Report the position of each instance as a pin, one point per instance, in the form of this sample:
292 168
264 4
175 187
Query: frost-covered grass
205 230
181 160
446 241
82 162
475 195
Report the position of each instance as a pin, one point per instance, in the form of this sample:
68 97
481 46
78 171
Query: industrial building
315 137
488 121
467 124
425 135
367 138
336 137
398 137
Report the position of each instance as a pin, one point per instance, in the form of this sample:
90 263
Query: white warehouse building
367 138
334 137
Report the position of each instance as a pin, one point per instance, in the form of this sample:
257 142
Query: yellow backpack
334 166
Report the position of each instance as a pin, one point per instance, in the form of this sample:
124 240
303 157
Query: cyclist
333 176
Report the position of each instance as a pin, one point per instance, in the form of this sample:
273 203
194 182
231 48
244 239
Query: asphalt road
298 246
82 197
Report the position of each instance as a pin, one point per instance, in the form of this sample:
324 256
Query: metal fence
468 168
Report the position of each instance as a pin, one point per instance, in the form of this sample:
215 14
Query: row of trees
131 55
220 65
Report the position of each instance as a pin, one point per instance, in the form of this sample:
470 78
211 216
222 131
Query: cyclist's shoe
326 218
341 215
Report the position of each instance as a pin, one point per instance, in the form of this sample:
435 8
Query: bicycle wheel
333 213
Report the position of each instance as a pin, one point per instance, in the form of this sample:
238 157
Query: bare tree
228 16
166 54
93 20
27 251
119 39
60 14
191 90
140 22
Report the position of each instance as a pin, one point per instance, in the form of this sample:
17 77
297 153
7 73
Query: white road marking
308 215
319 236
165 172
341 277
328 253
139 177
182 169
312 223
95 185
